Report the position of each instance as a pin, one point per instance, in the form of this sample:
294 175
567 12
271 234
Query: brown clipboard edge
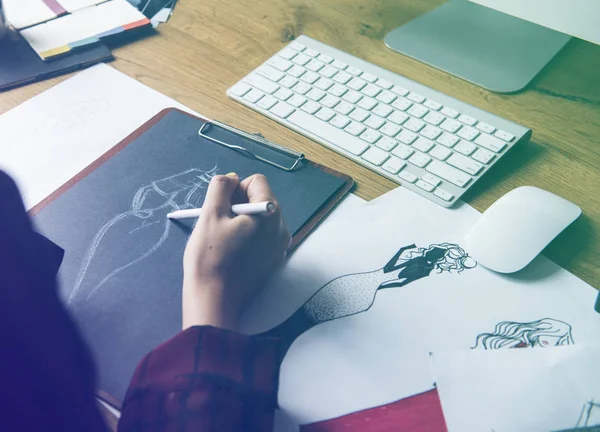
302 233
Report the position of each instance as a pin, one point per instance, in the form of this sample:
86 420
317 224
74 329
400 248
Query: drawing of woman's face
548 341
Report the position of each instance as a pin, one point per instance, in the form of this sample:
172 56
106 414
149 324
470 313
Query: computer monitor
500 45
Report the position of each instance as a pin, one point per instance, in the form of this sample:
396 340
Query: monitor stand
489 48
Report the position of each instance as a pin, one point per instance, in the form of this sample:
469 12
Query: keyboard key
443 194
447 140
414 125
464 163
315 65
328 71
402 151
503 135
270 73
359 114
297 46
339 64
282 109
369 77
375 156
384 84
440 152
374 121
296 100
342 77
325 58
434 118
311 52
371 90
449 112
407 137
468 120
315 94
398 117
324 83
448 173
280 63
296 71
301 59
484 127
354 71
309 77
386 143
483 156
302 88
490 142
431 179
261 83
401 104
393 165
288 81
407 176
357 84
240 89
399 91
352 97
370 136
287 53
450 125
423 144
355 128
415 98
338 90
386 97
344 107
325 114
382 110
432 105
390 129
430 132
340 121
311 107
254 95
367 103
419 159
328 132
425 186
330 101
465 147
267 102
283 94
468 133
417 111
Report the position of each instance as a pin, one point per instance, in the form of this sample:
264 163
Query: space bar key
328 132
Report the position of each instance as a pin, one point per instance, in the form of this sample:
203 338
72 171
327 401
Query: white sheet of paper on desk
25 13
519 390
50 138
381 355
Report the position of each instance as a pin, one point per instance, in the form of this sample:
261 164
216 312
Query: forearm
205 379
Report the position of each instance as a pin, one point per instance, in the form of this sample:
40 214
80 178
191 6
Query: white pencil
237 209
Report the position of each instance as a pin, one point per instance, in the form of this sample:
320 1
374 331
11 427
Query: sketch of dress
355 293
546 332
143 228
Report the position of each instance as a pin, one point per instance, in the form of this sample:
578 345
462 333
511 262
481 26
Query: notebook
122 273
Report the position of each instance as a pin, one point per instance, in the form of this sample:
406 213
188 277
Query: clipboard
123 256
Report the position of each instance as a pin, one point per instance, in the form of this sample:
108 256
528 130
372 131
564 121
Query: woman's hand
228 258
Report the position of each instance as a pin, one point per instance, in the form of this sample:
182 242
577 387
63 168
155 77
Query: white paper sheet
50 138
519 390
381 355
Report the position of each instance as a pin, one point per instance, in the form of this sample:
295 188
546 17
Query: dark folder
122 272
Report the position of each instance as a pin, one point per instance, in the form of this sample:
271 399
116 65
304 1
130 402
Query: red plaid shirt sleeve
205 379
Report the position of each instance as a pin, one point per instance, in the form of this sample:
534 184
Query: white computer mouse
517 227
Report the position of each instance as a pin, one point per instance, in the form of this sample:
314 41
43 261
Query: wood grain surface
208 45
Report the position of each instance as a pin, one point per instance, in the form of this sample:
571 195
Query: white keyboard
430 143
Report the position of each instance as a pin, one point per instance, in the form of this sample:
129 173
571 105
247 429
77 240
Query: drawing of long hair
545 332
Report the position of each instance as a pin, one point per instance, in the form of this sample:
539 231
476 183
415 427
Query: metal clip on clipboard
253 145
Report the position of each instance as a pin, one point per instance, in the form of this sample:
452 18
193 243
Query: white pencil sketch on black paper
144 227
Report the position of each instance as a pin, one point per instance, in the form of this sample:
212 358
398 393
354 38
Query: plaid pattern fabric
205 379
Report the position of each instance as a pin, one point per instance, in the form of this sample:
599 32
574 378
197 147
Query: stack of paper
26 13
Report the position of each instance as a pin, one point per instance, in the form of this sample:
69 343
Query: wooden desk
208 45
